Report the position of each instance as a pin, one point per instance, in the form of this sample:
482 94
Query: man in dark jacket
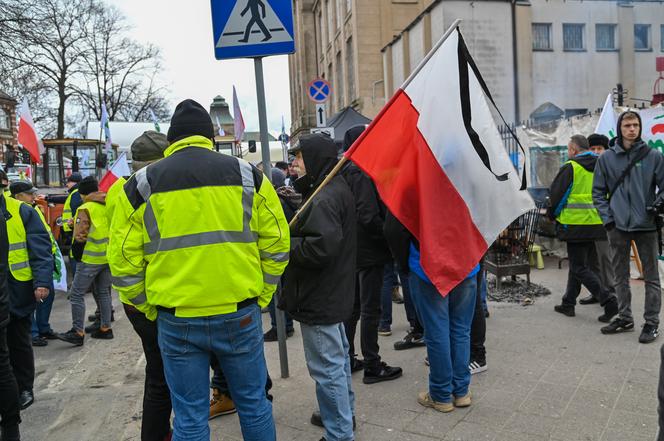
579 224
29 279
319 282
628 213
372 255
9 407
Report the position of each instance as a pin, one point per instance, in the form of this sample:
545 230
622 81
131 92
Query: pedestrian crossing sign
252 28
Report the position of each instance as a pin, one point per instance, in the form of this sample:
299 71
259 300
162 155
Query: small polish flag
27 134
119 169
439 164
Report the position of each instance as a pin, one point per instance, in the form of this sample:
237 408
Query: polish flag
238 119
119 169
438 161
27 134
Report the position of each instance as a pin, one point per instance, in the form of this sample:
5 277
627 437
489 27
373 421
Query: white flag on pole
607 121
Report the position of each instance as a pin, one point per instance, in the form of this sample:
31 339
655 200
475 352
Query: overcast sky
183 31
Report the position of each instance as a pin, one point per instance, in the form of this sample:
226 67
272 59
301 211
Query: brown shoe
425 400
462 401
220 404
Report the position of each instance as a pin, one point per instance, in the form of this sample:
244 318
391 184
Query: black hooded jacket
319 283
371 245
4 259
559 192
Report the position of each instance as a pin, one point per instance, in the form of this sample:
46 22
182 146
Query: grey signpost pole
267 171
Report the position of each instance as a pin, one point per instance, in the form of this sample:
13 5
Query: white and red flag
119 169
238 120
438 161
27 134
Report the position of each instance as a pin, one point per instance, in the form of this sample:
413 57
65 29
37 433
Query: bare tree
118 71
43 39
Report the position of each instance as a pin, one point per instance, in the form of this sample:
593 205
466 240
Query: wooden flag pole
344 159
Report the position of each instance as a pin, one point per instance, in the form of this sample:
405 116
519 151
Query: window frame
614 28
649 37
584 45
549 26
4 119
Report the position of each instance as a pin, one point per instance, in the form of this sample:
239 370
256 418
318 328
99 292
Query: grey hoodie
627 208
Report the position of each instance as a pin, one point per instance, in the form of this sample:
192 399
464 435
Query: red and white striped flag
119 169
438 161
27 134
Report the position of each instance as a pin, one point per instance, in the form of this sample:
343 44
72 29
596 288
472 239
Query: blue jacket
22 294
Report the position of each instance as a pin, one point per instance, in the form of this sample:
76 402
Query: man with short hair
624 192
579 224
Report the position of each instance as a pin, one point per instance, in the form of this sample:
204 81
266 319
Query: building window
350 70
605 37
542 37
642 37
661 38
322 43
4 120
349 6
340 13
339 78
573 37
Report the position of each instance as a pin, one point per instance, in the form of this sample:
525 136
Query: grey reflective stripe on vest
94 253
271 279
199 239
157 243
142 184
125 281
276 257
19 266
247 191
17 246
139 299
580 206
97 241
66 211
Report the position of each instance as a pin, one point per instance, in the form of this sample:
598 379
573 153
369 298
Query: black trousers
21 357
580 273
9 408
368 310
156 396
478 327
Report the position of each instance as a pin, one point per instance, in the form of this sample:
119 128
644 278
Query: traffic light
252 146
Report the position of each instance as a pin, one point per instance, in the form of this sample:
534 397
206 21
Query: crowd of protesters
193 282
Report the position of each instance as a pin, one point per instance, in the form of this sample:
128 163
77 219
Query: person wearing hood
9 404
319 283
579 225
209 242
372 256
627 177
29 279
89 248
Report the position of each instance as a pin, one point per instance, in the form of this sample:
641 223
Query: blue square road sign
252 28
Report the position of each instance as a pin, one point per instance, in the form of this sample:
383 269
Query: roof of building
5 96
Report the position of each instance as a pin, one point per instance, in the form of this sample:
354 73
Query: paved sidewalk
550 377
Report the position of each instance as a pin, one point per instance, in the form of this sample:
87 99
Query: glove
610 226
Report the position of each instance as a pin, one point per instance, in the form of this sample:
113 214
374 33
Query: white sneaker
476 367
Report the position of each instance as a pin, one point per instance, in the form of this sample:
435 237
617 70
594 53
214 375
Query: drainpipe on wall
515 63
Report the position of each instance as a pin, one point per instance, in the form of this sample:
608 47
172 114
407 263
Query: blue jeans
42 315
446 322
236 339
326 352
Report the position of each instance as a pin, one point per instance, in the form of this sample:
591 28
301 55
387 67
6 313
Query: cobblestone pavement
550 377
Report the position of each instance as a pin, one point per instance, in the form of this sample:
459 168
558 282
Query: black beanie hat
189 119
597 139
88 185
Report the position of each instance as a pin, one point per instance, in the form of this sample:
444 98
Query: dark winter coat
22 294
319 283
559 193
372 248
628 206
398 238
4 268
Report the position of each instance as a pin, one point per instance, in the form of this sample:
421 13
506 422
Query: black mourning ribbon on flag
466 60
